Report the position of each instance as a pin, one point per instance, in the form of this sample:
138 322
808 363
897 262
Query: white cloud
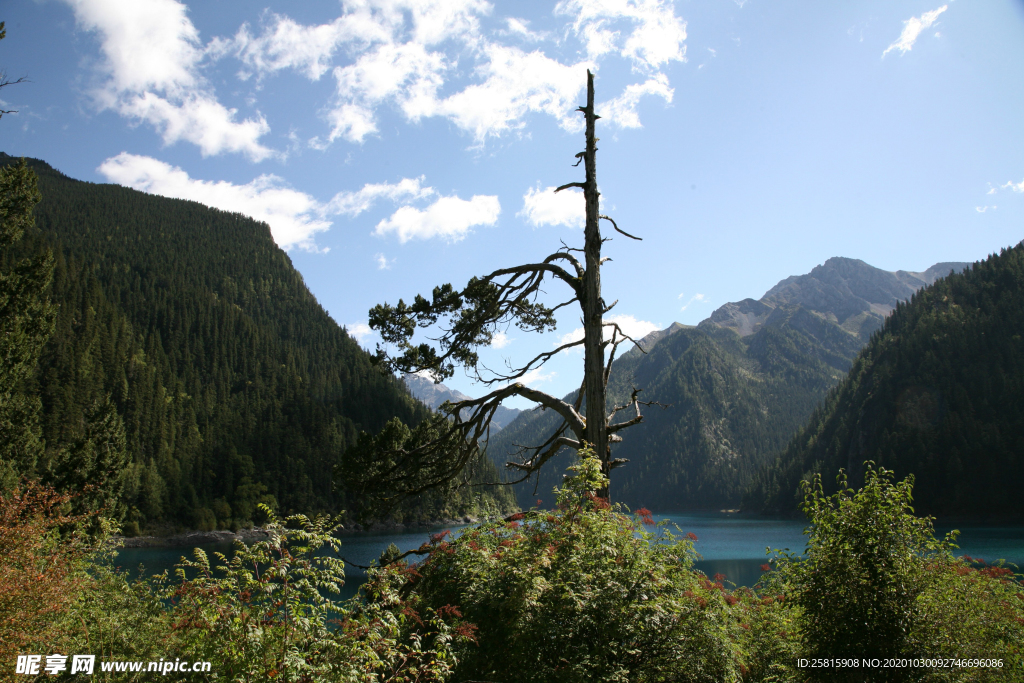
383 263
151 60
1016 187
406 73
637 329
400 54
912 28
448 217
536 376
622 109
294 217
361 332
355 203
500 340
515 84
696 298
521 28
286 44
399 64
545 207
653 34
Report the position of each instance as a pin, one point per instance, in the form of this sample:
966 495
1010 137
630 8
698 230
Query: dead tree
4 81
410 463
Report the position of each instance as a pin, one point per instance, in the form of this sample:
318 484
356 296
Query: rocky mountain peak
848 292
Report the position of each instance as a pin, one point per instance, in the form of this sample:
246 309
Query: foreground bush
584 593
269 613
875 583
580 594
40 573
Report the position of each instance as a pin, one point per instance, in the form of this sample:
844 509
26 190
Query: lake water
730 544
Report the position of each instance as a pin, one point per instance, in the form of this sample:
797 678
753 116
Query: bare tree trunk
593 304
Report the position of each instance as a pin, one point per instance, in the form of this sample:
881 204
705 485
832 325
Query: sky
395 145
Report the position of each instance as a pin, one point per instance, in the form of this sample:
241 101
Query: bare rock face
844 291
433 395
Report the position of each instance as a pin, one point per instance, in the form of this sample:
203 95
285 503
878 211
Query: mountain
233 384
433 395
848 292
937 393
738 385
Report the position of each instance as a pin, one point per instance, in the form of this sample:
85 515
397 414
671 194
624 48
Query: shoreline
254 535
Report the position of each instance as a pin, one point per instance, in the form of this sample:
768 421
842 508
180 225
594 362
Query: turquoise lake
730 544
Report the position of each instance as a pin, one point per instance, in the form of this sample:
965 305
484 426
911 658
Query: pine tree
26 321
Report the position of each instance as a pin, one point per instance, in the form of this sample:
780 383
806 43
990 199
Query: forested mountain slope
937 393
738 386
234 385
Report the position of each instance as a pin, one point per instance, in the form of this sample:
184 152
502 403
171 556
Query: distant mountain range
848 292
739 384
435 394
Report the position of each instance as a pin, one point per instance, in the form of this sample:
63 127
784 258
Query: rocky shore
194 538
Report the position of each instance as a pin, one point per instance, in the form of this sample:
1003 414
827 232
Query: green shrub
268 613
876 583
581 594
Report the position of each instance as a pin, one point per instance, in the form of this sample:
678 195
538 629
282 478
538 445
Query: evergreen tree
26 321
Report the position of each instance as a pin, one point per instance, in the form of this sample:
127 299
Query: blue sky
393 145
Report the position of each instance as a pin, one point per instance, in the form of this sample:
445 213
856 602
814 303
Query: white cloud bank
912 28
150 68
397 54
545 207
295 217
656 38
449 218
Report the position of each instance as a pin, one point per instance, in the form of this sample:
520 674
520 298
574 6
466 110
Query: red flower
645 516
437 538
516 517
766 567
539 501
731 599
719 576
692 536
448 610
